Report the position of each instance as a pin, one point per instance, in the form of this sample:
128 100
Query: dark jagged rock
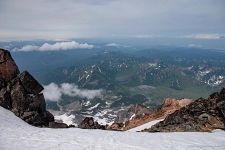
20 93
89 123
5 100
2 83
29 83
58 125
72 126
200 115
8 68
139 114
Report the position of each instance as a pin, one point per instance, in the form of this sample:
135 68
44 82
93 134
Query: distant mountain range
95 100
125 76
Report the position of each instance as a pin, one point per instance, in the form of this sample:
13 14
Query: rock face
89 123
21 93
200 115
131 112
142 115
8 68
170 105
126 116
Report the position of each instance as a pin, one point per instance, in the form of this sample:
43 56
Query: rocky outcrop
142 115
89 123
21 93
131 112
127 114
200 115
169 106
8 68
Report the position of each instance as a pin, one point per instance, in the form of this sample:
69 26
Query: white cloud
207 36
54 92
113 45
116 45
55 47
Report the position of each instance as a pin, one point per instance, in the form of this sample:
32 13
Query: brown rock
144 115
200 115
116 126
20 93
170 105
8 68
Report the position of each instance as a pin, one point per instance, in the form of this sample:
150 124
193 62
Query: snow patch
132 116
93 107
67 119
16 134
216 80
144 126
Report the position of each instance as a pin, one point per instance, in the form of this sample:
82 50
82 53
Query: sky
66 19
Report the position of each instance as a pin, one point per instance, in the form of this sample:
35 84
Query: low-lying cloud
212 36
54 92
113 45
55 47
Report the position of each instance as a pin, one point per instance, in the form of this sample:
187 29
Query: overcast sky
64 19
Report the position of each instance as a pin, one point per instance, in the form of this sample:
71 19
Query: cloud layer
55 47
54 92
63 19
207 36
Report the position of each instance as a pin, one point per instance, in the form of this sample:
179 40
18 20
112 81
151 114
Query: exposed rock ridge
144 115
200 115
21 93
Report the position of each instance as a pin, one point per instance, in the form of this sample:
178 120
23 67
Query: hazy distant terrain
100 79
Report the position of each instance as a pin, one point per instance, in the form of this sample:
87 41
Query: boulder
116 126
89 123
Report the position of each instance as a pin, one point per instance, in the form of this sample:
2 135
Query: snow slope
17 135
144 126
